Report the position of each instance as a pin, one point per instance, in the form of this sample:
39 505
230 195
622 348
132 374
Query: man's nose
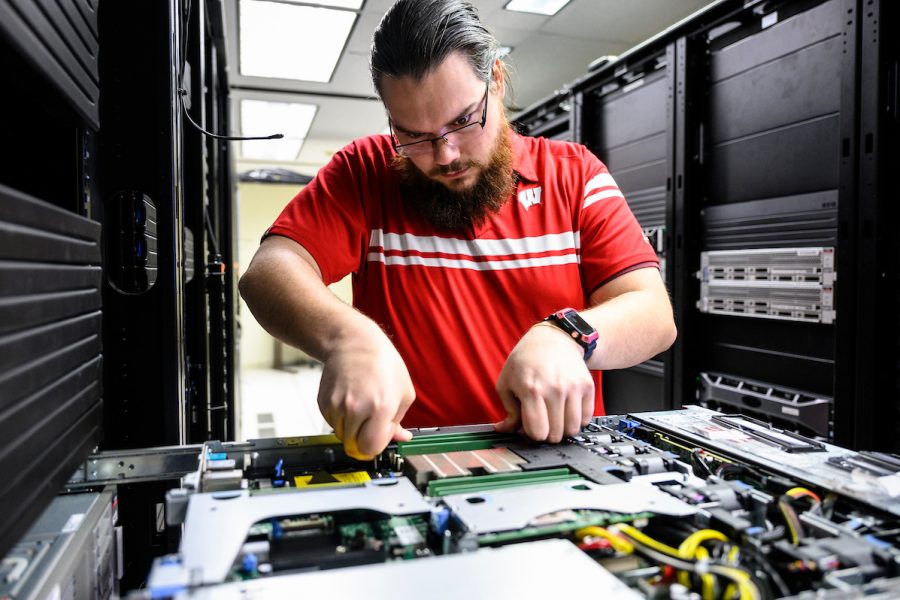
444 153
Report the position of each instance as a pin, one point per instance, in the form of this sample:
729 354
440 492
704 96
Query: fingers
556 412
535 419
369 428
573 410
401 434
587 405
556 416
374 436
513 417
353 422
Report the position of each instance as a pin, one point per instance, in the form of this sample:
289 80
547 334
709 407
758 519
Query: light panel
260 117
353 4
287 41
538 7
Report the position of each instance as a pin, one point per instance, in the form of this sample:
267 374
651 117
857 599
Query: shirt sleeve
612 241
327 218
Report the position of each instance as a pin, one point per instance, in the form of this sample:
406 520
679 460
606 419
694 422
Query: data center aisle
279 403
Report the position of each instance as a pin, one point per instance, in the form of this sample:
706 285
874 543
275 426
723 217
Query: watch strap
577 327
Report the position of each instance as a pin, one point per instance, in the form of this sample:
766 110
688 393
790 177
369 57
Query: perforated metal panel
61 41
50 353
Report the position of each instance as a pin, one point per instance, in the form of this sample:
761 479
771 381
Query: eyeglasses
416 144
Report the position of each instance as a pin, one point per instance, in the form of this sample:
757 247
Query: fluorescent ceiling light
288 41
353 4
540 7
259 117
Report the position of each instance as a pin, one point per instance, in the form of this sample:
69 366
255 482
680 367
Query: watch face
580 324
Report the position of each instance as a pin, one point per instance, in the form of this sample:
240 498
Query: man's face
446 98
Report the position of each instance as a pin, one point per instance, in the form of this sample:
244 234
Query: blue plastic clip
250 563
627 424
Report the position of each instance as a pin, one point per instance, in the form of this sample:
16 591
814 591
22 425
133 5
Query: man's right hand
364 393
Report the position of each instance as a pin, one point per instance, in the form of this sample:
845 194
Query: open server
757 157
655 504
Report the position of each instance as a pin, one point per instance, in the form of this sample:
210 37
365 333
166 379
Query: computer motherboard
678 504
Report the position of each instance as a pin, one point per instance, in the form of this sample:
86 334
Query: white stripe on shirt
407 242
478 255
601 195
489 265
600 181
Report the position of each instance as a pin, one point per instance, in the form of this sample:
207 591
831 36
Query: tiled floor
280 403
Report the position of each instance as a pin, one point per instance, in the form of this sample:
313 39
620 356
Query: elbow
665 331
243 286
246 286
669 334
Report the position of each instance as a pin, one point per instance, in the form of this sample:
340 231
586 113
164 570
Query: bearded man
494 275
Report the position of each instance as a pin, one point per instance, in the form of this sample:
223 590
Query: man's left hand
545 386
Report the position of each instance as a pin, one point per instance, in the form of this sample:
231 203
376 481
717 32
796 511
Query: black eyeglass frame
443 136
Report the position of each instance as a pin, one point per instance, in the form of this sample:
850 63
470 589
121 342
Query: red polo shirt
455 305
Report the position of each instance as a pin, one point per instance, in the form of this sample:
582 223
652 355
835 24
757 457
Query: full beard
464 209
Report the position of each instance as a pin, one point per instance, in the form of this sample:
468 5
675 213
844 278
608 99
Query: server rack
170 375
116 236
626 120
753 143
552 118
779 95
209 222
51 400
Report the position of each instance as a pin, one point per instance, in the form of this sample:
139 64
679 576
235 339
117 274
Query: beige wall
258 206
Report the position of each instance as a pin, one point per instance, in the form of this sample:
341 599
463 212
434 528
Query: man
461 237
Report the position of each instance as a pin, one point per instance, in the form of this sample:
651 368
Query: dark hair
416 36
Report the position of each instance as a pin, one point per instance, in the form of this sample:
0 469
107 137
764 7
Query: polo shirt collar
523 160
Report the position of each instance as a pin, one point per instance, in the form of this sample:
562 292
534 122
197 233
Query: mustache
456 165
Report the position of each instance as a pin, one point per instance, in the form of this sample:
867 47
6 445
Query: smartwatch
581 331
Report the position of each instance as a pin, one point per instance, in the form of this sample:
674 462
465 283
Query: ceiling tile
631 22
569 56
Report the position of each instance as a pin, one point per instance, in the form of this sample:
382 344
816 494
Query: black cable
699 465
209 230
236 138
182 92
186 20
754 556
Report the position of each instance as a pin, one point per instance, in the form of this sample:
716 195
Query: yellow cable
646 540
748 589
802 491
691 544
795 537
707 581
746 586
619 544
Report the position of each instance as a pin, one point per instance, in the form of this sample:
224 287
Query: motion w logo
530 197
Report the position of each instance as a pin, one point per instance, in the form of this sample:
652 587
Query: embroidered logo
530 197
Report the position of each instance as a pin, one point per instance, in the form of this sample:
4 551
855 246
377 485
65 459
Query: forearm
633 327
285 293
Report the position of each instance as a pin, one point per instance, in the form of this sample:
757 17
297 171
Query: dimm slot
454 442
469 485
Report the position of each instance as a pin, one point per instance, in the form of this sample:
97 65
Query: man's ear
498 81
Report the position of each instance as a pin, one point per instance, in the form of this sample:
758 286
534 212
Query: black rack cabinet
51 398
754 142
626 120
552 118
779 98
